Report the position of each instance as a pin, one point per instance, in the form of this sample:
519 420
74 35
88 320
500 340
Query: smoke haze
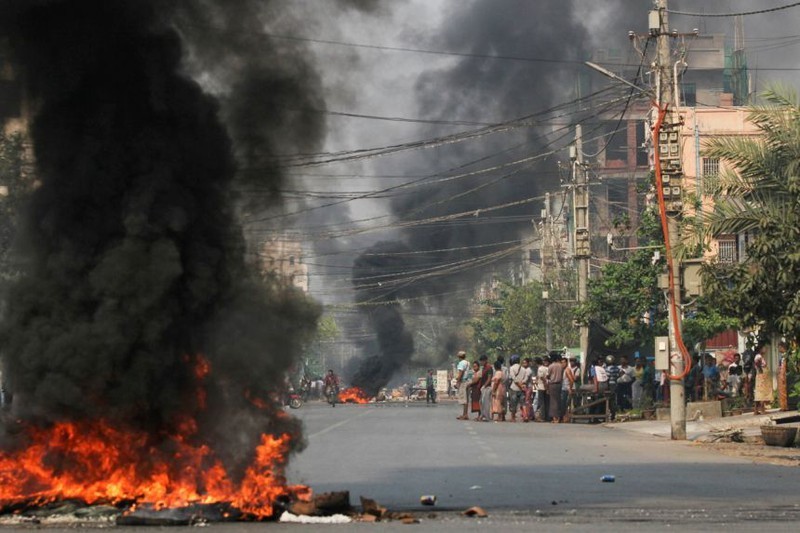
135 259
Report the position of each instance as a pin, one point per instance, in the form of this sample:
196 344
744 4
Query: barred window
727 249
710 171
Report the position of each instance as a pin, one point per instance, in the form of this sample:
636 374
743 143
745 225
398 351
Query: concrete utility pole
667 146
547 259
583 252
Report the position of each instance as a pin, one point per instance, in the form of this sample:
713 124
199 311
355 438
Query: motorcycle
332 395
293 399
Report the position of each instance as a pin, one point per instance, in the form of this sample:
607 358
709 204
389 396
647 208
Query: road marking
339 424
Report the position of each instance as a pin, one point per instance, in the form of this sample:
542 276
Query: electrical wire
742 14
423 51
448 178
315 159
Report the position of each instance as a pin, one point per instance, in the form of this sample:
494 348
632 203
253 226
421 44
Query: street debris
371 508
608 478
325 504
726 435
335 504
303 519
476 512
428 499
475 487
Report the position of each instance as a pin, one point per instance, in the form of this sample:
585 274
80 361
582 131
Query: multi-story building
698 126
282 256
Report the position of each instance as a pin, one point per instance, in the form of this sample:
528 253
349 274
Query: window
708 175
689 94
727 249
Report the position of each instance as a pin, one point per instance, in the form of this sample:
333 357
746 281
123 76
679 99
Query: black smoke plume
135 261
376 274
490 90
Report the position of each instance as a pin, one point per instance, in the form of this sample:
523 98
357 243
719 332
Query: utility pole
667 147
583 252
547 261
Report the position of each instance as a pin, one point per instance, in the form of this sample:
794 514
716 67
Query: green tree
327 332
626 299
758 193
514 322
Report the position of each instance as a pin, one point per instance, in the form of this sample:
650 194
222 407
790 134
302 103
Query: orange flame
353 395
97 463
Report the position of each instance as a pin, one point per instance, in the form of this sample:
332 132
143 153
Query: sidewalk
750 424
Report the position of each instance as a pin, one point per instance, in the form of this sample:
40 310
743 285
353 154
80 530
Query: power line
424 51
744 13
418 182
400 119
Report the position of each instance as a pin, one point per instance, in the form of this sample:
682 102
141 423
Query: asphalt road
540 477
533 473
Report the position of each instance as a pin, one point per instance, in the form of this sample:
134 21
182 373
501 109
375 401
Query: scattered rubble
725 435
476 511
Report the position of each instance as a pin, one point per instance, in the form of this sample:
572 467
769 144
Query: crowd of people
547 388
527 389
733 376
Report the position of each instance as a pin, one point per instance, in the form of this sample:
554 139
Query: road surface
525 473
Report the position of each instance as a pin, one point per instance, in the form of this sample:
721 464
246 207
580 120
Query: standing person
461 383
499 392
516 394
430 388
527 406
748 375
613 372
783 393
539 401
693 378
572 376
735 375
763 390
555 375
710 378
485 386
649 383
600 376
474 390
600 379
638 385
625 384
566 389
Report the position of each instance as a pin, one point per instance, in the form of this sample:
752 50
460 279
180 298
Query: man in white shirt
516 394
461 387
539 407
